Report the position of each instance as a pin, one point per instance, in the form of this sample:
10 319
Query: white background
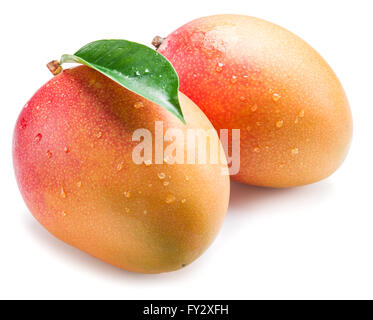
307 242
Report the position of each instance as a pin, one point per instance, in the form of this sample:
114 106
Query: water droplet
242 98
166 183
279 123
281 165
145 212
49 154
170 198
38 138
294 150
79 184
148 162
63 193
187 178
66 149
99 135
301 114
37 107
276 97
137 73
183 201
256 149
234 79
258 123
219 67
138 105
147 70
127 209
254 108
296 120
120 166
150 185
63 213
127 194
161 175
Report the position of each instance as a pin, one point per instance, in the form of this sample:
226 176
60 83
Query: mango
72 154
249 74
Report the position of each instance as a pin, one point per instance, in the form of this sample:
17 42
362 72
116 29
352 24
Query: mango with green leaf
73 158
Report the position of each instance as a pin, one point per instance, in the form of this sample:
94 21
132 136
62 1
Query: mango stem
55 67
157 41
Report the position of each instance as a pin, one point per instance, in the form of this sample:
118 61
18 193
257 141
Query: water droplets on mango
66 149
63 193
38 138
183 201
276 97
120 166
161 175
49 154
170 198
138 105
99 135
63 213
256 149
79 184
294 150
219 67
279 123
234 79
166 183
127 209
254 107
127 194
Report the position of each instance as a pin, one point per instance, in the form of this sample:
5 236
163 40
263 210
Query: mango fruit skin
249 74
72 154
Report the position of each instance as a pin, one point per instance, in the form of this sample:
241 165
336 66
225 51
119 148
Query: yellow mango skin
72 155
249 74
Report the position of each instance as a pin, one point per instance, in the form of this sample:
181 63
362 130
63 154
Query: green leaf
134 66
